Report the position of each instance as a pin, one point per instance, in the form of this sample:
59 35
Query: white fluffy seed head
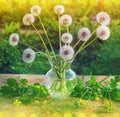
65 20
103 32
28 55
28 19
84 34
59 9
66 52
13 39
103 18
67 38
35 10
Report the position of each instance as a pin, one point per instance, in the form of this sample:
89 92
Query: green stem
29 46
60 44
88 11
89 43
38 51
63 66
44 54
67 28
82 48
41 39
76 43
50 101
63 86
63 83
53 87
106 93
109 97
59 30
84 93
47 36
84 41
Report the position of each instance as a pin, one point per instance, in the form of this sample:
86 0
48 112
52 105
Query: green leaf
78 88
25 99
23 82
113 83
92 81
9 91
12 82
117 78
116 94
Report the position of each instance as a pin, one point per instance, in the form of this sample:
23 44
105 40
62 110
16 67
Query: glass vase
60 79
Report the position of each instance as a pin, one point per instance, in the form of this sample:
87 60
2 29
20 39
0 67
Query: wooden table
48 107
40 78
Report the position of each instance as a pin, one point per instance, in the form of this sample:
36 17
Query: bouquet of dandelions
60 79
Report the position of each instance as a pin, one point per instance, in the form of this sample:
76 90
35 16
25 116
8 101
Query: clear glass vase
60 79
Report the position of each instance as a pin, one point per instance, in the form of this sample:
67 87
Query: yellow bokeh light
93 115
7 3
56 115
33 115
1 114
67 114
4 114
21 1
82 115
116 114
21 115
33 1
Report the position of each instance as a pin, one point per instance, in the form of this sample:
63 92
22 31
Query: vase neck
59 64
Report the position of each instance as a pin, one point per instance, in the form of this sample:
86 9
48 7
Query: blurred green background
101 58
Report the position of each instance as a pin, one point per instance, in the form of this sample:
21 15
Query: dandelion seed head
65 20
103 32
59 9
28 19
66 52
13 39
35 10
67 38
84 34
28 55
103 18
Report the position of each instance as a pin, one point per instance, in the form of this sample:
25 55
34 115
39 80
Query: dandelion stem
47 36
84 93
67 29
38 51
84 42
76 43
59 30
89 43
46 55
29 46
83 47
59 34
88 11
41 38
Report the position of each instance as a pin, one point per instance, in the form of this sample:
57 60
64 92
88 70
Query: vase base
61 90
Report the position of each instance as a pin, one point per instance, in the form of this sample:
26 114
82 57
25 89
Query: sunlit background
9 3
20 7
102 58
12 12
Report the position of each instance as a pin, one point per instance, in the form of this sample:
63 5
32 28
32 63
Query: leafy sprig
112 90
19 88
92 89
89 90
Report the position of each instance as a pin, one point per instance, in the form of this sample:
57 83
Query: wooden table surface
40 78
